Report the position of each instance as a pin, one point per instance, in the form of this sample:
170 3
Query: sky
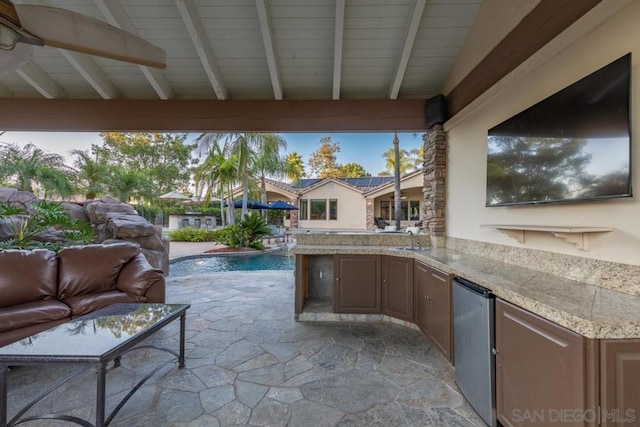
363 148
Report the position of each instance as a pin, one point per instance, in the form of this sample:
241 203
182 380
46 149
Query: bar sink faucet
413 238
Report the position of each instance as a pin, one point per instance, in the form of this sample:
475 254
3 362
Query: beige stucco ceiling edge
594 18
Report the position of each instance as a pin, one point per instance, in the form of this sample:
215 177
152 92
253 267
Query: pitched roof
362 184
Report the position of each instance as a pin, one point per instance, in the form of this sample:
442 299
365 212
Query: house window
404 210
385 210
304 209
318 209
333 209
414 210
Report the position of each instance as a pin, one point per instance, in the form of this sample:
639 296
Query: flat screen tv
572 146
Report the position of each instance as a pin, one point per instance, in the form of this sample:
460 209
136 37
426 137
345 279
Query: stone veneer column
293 214
434 188
370 223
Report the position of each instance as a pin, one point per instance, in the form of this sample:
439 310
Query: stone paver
250 363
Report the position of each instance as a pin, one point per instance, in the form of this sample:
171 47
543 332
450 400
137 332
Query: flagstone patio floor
250 363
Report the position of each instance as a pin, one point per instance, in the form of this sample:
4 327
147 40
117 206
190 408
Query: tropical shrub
232 236
48 225
256 228
247 233
191 234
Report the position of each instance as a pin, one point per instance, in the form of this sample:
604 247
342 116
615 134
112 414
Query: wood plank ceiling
278 65
259 50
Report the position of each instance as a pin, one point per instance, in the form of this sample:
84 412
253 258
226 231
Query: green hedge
191 234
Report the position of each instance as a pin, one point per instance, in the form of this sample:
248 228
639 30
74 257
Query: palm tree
396 175
416 157
93 173
29 169
246 148
403 160
294 167
129 183
217 173
268 161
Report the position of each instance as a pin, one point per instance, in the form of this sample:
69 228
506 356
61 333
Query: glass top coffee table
97 339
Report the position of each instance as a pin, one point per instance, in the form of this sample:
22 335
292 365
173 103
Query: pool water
213 264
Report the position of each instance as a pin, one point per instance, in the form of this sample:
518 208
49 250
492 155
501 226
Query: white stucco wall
351 207
467 140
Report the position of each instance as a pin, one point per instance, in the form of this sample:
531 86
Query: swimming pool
217 263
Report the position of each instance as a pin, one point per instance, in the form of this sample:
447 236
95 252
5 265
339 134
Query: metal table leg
182 328
3 395
101 370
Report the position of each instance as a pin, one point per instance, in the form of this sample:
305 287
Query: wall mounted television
572 146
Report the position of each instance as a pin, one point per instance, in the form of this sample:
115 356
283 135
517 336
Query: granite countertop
589 310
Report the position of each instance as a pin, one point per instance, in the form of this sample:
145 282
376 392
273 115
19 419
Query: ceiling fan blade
11 60
73 31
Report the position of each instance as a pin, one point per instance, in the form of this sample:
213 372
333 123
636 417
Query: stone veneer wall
434 188
605 274
370 215
293 214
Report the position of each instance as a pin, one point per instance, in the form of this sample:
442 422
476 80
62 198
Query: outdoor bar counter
588 310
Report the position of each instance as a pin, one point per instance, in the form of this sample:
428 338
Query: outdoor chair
381 223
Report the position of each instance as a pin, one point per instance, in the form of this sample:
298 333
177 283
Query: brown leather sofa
39 289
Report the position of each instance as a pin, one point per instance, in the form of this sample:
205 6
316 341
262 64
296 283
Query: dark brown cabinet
397 287
542 371
433 306
356 284
620 382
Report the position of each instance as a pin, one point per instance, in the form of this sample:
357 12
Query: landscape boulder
112 220
21 199
125 226
98 210
76 211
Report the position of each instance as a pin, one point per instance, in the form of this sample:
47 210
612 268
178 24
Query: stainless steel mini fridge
474 342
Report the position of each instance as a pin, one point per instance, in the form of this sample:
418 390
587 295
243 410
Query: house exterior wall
351 207
467 141
411 188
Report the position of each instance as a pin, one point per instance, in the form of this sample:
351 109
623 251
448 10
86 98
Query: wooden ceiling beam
40 81
410 37
115 15
92 115
338 39
91 73
198 35
4 92
269 49
545 21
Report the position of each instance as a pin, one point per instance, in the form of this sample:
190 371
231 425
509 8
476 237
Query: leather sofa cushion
83 304
27 276
137 276
92 269
31 313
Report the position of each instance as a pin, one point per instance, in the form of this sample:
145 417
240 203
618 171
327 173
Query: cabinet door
540 370
356 284
620 382
439 314
421 284
397 287
301 278
433 307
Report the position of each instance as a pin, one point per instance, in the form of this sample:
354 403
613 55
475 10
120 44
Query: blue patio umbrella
251 204
282 206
